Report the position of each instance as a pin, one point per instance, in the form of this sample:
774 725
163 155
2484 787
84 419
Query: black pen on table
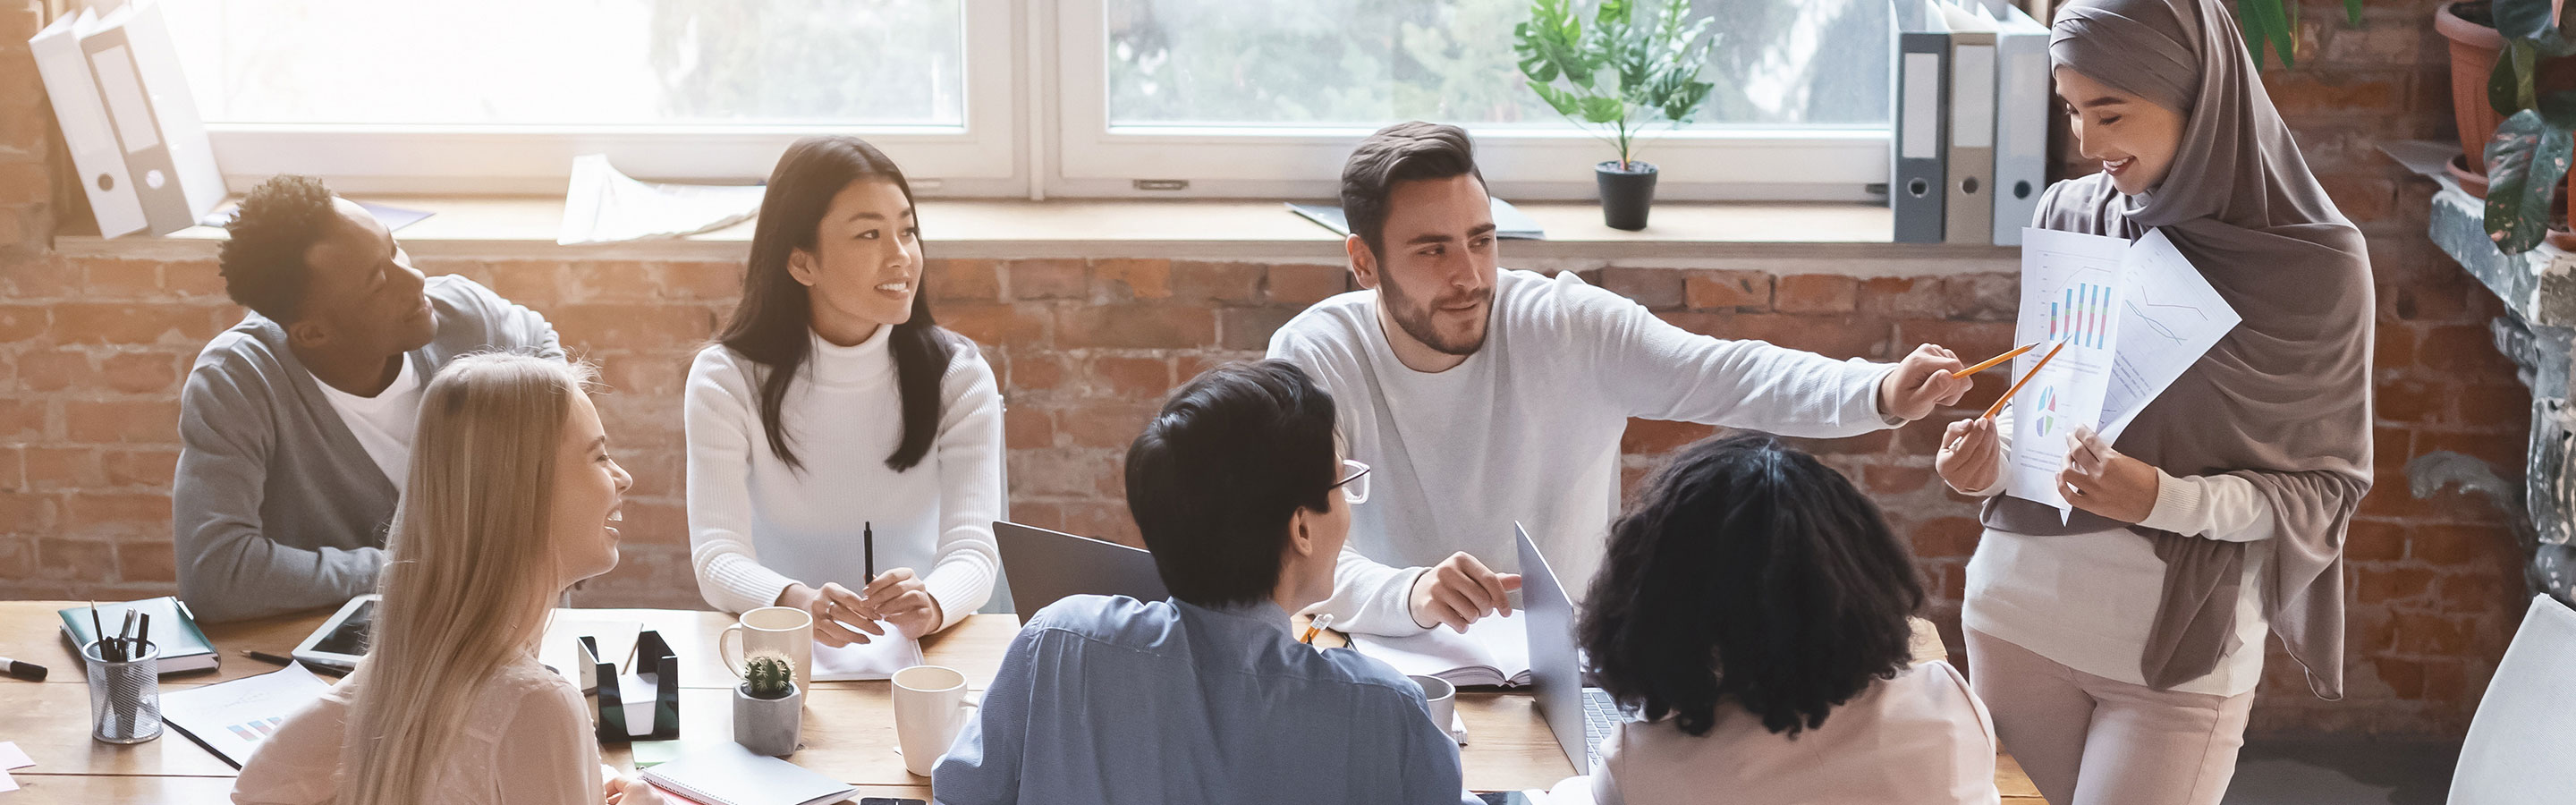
325 670
23 670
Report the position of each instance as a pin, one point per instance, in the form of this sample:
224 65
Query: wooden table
849 726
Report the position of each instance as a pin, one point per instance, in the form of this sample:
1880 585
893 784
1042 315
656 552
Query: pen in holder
124 695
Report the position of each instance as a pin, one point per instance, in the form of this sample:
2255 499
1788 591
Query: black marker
23 670
868 543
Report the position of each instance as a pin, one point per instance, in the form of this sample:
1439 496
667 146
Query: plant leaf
2526 162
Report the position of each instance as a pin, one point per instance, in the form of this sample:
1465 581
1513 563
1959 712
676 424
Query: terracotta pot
2471 182
2474 46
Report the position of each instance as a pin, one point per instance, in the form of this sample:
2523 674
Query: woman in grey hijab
2119 650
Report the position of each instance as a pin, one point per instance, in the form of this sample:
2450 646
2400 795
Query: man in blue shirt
1240 493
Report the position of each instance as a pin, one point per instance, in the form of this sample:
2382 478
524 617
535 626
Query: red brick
143 372
2446 680
1831 336
1895 479
193 279
121 323
2302 93
2414 401
146 561
1063 472
2405 678
111 514
21 322
2374 541
75 560
1982 297
1816 293
1303 285
1903 297
22 419
1038 372
25 182
145 421
121 279
1249 329
2460 345
644 375
52 369
995 324
2426 633
2392 584
1136 327
1947 537
49 277
2492 405
49 468
1026 427
1222 283
1046 279
2395 347
608 281
589 327
2363 199
2424 302
1728 290
1132 378
539 284
1123 280
962 280
1660 436
1970 339
2454 545
1109 425
1656 288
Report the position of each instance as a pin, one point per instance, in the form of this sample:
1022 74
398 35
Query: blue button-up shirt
1113 700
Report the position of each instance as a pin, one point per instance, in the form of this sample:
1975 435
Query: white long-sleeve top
2088 600
756 526
1527 429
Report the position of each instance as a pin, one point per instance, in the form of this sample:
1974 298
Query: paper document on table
1493 651
2168 319
232 718
877 659
2070 292
604 206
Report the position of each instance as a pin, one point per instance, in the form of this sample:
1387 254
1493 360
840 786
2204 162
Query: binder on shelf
1968 214
2021 122
86 130
174 105
1917 192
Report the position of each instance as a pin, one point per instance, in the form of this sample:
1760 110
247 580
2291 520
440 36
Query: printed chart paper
2169 319
2070 294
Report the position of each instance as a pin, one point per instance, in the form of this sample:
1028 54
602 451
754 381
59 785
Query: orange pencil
1989 363
2025 380
1316 628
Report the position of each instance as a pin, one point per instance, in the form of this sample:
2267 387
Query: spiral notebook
727 774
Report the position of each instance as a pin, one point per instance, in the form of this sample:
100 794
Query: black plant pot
1626 195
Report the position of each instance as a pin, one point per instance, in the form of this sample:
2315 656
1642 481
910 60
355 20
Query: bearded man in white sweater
1484 397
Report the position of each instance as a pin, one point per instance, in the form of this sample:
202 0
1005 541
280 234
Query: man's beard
1416 321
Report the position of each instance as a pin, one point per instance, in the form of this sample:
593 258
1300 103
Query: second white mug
786 631
930 706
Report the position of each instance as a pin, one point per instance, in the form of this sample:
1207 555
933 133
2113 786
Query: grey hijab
2284 400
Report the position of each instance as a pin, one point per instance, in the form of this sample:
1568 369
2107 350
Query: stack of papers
1494 651
232 718
877 659
727 774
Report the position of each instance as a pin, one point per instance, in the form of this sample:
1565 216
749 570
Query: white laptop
1580 716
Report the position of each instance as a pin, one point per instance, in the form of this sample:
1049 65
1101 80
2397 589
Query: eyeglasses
1354 483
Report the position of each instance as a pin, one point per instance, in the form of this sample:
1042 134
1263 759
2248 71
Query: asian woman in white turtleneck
832 403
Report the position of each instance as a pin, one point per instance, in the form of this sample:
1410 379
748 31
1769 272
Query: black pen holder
655 664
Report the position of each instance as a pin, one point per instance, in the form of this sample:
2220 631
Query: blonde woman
512 498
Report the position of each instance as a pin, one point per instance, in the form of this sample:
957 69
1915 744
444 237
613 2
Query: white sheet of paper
877 659
7 783
2070 292
1500 643
233 717
12 757
2168 319
602 205
559 648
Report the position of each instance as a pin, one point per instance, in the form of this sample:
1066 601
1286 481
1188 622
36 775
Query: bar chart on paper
2082 316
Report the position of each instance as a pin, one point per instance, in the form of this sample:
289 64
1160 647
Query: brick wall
92 349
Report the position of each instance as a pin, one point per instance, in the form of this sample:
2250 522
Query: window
1268 95
994 97
469 94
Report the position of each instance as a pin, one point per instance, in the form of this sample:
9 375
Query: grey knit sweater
276 507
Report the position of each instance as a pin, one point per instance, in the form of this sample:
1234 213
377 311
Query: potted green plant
768 709
1619 74
2526 158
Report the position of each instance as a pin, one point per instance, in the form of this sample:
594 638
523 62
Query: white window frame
1090 158
983 157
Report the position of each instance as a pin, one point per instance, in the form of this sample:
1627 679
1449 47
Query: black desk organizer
655 662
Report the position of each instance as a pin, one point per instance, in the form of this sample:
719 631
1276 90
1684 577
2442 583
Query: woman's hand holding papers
2100 480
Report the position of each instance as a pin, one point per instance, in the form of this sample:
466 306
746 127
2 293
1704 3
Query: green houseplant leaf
1619 72
2526 162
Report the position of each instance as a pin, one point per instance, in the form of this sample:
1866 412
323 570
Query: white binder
2021 122
152 117
86 129
165 83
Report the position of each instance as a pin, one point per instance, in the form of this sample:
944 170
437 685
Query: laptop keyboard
1600 715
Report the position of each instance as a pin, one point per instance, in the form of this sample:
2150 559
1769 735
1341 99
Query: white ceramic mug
930 706
1442 698
786 631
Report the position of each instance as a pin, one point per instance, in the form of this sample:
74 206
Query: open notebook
877 659
727 774
1494 651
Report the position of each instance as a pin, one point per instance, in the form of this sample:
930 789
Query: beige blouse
1921 737
529 742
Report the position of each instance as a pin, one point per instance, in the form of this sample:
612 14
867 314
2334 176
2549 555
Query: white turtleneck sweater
757 526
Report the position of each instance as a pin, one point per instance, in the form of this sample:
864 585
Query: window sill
1683 232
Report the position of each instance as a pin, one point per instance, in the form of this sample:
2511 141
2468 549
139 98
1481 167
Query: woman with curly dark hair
1754 613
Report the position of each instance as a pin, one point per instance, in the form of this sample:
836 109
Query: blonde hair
470 570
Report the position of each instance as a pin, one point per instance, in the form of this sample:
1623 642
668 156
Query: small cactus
768 676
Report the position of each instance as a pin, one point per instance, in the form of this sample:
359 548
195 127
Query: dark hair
1748 570
1399 153
772 325
1215 477
263 260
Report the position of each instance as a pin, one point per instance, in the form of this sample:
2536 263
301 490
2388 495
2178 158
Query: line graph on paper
2166 322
